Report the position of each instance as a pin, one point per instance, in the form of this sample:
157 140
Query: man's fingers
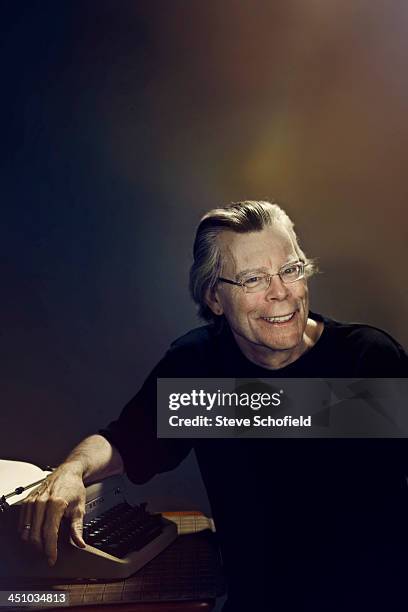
21 515
25 520
63 493
27 507
54 513
37 520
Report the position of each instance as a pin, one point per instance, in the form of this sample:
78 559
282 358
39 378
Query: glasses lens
292 272
288 274
256 283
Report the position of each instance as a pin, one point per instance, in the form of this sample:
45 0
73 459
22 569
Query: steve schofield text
223 421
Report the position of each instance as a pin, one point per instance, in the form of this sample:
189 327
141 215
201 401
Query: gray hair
240 217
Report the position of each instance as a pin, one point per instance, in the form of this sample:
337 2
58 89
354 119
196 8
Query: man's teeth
279 319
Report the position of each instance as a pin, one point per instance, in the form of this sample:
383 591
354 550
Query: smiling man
303 524
267 307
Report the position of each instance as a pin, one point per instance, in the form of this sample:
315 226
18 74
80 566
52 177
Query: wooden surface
196 539
165 606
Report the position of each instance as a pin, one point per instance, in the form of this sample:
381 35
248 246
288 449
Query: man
304 524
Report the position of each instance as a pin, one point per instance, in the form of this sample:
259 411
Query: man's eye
252 280
290 270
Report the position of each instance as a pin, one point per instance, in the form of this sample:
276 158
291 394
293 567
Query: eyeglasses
289 273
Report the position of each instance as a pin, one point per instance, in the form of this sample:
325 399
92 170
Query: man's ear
213 301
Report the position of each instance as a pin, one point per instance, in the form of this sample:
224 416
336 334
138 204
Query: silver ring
28 526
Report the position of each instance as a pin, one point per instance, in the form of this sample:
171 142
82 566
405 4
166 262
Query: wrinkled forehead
269 249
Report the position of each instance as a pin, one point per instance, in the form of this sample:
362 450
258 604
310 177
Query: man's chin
265 341
280 342
280 346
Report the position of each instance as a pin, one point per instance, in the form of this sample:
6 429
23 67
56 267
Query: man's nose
277 290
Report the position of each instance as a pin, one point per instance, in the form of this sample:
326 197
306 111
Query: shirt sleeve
134 433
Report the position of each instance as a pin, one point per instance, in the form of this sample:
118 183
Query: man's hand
62 494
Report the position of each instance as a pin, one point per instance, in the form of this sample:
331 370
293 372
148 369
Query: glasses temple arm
231 282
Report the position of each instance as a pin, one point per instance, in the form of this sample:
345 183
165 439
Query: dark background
121 124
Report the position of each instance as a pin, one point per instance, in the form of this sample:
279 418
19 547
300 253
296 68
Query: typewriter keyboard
122 529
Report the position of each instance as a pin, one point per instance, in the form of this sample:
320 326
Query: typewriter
120 539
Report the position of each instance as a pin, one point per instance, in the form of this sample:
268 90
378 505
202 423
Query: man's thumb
76 532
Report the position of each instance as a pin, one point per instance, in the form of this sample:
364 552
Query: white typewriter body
18 559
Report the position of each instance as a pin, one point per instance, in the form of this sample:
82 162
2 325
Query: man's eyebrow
250 271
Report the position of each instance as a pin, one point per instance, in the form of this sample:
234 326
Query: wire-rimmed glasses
260 281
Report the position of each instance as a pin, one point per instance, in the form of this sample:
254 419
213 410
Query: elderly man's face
248 313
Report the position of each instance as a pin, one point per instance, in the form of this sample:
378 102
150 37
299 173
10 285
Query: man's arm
62 494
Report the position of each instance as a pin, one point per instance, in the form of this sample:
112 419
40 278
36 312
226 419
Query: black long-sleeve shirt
296 518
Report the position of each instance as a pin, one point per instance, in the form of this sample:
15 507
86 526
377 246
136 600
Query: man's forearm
94 459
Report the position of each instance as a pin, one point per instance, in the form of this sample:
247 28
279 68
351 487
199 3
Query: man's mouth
281 319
